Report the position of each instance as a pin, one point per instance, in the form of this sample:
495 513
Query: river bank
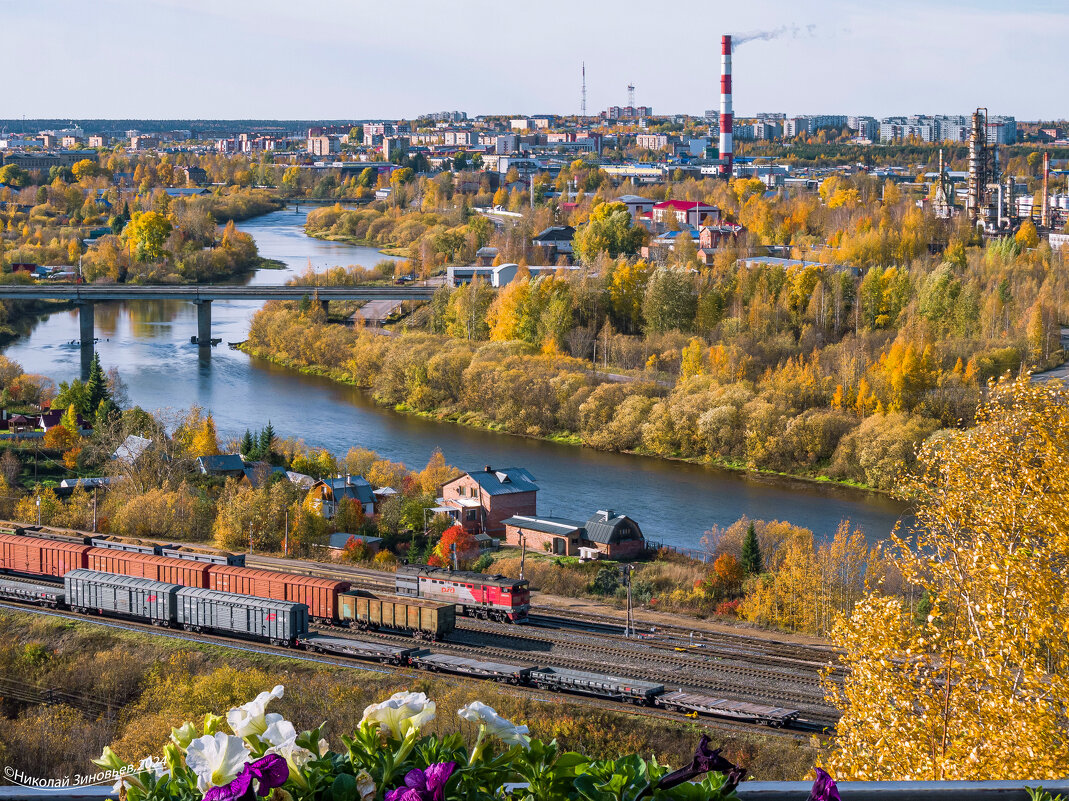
570 439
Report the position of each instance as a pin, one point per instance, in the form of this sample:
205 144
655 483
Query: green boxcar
425 620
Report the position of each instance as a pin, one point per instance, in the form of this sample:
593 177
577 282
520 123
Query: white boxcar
277 622
113 594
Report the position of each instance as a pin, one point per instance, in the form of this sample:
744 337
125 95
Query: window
471 515
462 490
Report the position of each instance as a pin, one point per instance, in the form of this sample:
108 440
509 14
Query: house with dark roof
339 539
555 241
485 498
331 492
615 536
230 465
259 474
555 535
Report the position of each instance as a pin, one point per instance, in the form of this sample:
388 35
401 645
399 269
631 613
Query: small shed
339 539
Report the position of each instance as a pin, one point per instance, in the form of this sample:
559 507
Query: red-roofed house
685 212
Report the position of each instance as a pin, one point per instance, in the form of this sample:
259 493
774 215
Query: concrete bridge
86 295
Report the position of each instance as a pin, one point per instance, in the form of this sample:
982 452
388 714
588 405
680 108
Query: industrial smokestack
1045 219
726 113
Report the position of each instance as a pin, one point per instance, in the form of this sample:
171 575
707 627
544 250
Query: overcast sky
352 59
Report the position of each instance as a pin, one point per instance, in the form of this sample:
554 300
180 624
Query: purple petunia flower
824 788
424 785
270 772
704 761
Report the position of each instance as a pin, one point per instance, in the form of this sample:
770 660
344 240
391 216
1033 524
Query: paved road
1058 373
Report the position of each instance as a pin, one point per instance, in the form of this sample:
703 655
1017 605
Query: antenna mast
582 104
631 95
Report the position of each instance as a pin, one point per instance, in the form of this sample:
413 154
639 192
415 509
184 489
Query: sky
353 59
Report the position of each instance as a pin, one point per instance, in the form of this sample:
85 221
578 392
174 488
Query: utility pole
286 535
38 510
453 555
94 509
523 553
250 537
629 625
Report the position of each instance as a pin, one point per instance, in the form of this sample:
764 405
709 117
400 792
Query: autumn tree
146 234
986 674
611 230
467 549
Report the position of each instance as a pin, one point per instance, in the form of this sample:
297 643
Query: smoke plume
792 31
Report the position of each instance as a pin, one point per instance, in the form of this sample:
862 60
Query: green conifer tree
96 387
752 561
248 447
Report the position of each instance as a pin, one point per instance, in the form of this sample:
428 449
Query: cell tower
631 95
582 103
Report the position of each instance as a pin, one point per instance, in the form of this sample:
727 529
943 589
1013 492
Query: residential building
44 161
98 141
323 145
70 141
555 241
864 127
651 141
142 142
627 113
684 212
331 491
712 237
637 206
195 175
615 536
230 465
486 498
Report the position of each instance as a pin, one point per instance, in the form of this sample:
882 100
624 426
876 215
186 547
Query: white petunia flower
251 718
216 759
283 738
401 713
506 730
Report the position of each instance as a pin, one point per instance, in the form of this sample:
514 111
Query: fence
690 553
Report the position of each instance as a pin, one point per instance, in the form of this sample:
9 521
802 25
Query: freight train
329 602
51 552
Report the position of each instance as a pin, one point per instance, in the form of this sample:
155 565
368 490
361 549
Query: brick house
611 535
555 535
485 498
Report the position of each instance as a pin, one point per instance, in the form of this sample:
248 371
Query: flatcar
475 594
579 681
361 649
211 557
495 671
48 595
126 546
121 595
425 620
726 708
277 622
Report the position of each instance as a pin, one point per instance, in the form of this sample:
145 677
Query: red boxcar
319 594
40 557
144 565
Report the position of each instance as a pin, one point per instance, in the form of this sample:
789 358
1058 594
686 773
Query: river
149 342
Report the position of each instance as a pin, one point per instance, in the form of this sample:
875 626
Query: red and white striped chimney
726 113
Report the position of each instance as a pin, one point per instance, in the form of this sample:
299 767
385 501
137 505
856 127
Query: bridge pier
86 331
325 306
204 323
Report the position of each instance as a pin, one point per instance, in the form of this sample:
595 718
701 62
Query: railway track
408 673
746 684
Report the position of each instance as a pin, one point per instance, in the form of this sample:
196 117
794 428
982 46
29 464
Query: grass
161 682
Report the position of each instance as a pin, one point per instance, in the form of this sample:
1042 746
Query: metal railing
747 791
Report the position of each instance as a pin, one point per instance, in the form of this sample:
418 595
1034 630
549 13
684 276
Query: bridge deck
88 293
